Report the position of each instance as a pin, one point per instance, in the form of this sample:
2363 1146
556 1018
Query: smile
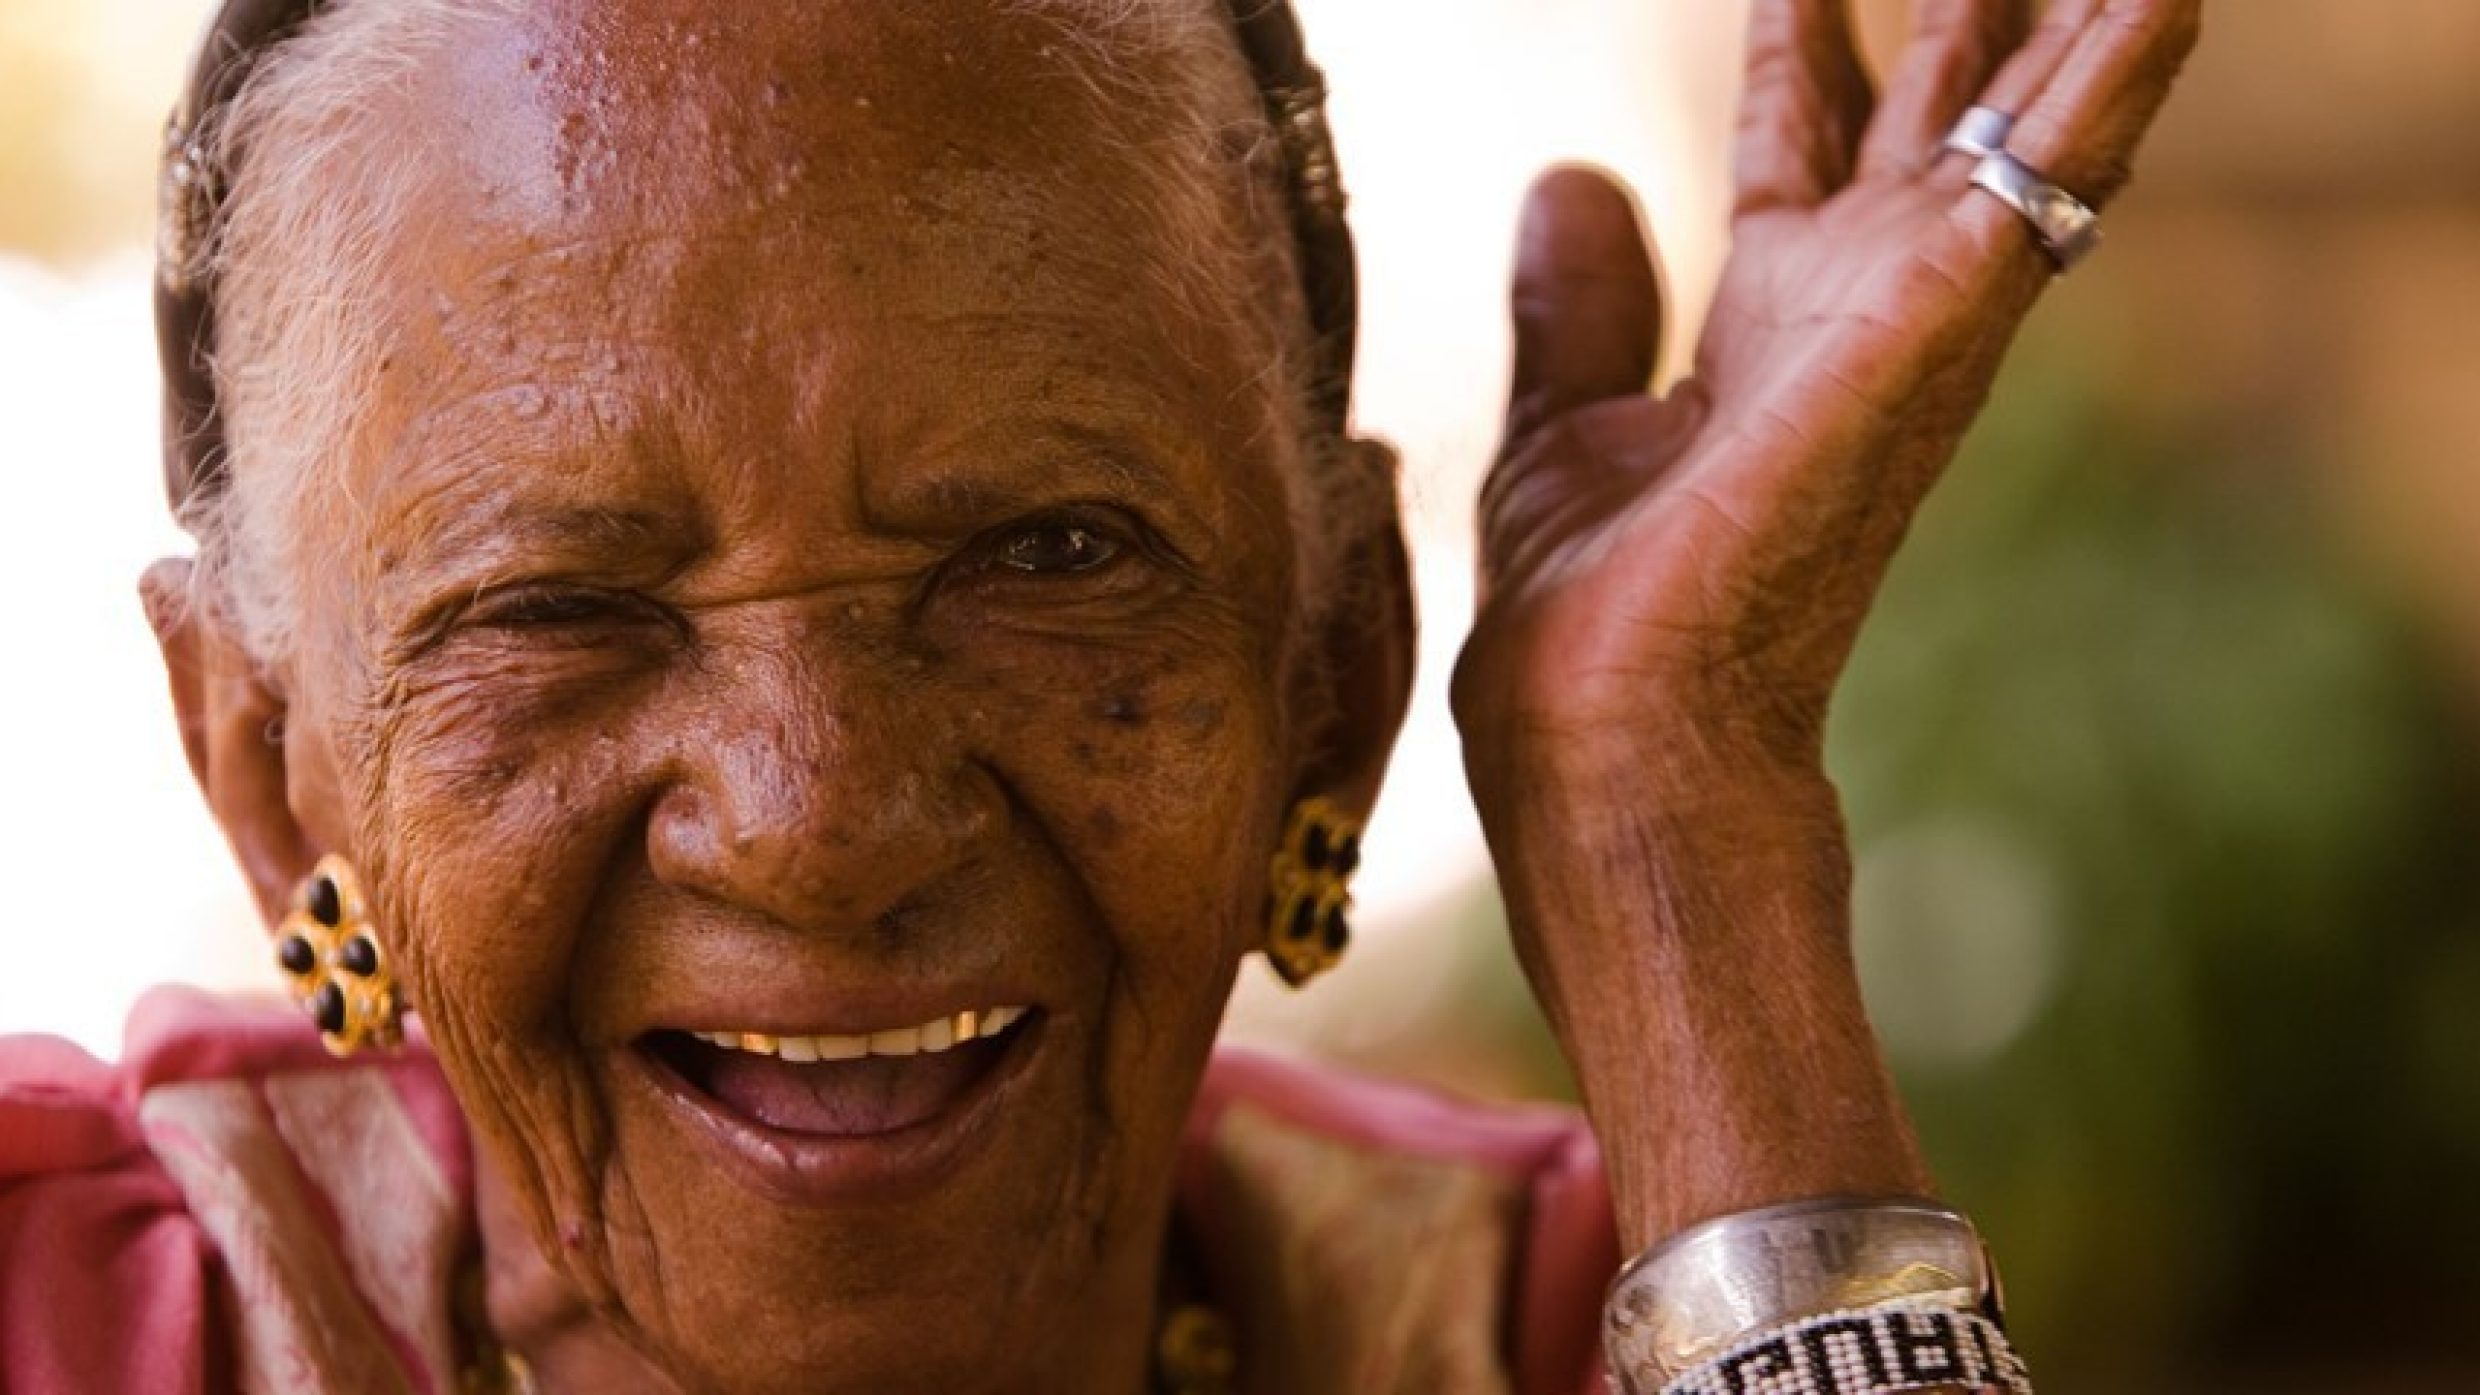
837 1117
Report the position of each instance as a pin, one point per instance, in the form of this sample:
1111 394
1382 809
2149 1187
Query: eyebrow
588 527
477 545
980 471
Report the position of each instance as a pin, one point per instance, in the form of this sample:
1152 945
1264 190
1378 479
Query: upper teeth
938 1034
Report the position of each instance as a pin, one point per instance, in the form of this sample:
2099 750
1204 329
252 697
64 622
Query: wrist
1556 776
1691 945
1720 1079
1665 838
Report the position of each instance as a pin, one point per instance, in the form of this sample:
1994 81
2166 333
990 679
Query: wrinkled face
810 573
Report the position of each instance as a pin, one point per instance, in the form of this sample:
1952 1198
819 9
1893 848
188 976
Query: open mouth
849 1086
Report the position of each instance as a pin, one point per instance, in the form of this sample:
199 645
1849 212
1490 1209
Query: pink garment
229 1210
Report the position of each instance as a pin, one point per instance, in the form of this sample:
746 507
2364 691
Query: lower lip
803 1169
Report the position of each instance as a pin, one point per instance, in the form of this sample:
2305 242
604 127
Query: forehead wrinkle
696 299
578 113
650 245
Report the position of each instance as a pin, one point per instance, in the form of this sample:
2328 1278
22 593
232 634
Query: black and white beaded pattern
1875 1351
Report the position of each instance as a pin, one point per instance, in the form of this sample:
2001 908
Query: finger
2027 74
1806 104
1955 52
1587 299
2083 131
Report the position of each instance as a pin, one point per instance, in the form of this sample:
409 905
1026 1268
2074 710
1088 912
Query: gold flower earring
1307 917
329 951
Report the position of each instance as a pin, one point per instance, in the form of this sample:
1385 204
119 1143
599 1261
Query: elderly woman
795 580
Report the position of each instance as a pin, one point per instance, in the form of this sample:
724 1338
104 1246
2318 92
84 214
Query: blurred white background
116 879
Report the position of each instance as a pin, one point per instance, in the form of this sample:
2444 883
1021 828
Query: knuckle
2062 21
2128 23
2156 25
1950 20
1774 35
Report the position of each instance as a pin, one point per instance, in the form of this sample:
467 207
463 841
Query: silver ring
2067 226
1981 133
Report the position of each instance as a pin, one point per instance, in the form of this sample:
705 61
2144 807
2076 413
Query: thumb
1587 300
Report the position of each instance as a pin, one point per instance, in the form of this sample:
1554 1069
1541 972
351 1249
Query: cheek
1155 772
488 821
493 795
1156 768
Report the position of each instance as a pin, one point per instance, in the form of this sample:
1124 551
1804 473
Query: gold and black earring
329 951
1308 924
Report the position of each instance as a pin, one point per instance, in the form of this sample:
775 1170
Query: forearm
1687 922
1717 1030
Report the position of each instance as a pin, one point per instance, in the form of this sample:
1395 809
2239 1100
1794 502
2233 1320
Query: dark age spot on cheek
1105 824
1112 741
1205 715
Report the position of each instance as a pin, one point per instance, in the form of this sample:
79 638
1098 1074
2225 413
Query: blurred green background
2159 756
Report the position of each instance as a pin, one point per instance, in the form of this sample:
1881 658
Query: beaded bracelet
1874 1351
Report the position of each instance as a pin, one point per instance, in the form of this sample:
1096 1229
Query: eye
1056 547
549 607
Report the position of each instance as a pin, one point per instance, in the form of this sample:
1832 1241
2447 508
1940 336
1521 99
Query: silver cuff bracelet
1705 1290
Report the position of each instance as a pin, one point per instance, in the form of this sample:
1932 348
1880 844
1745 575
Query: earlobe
229 717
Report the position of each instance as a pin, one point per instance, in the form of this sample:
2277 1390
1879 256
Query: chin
953 1249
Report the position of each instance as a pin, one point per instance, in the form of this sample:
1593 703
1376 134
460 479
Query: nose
822 791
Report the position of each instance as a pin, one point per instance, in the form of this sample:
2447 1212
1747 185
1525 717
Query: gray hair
295 263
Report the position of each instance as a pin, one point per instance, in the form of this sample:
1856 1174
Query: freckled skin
716 374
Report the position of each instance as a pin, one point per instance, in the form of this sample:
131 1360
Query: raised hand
1706 558
1671 586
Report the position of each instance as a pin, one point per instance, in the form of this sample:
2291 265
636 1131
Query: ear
1370 642
233 730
